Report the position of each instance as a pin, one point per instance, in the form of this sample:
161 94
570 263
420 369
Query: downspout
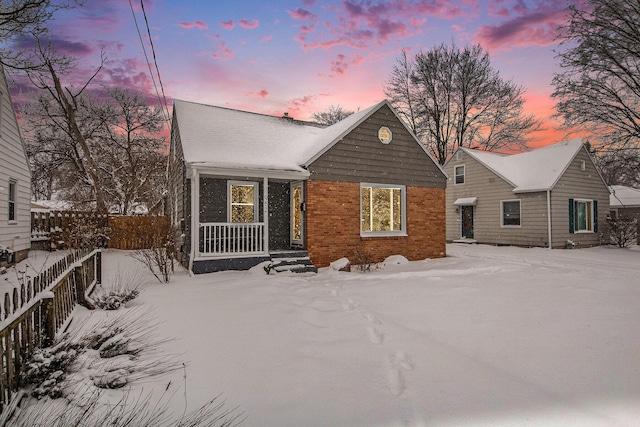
195 208
549 217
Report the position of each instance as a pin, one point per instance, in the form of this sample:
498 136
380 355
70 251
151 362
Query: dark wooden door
467 222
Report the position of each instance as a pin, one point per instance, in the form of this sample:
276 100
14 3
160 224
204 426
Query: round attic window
384 135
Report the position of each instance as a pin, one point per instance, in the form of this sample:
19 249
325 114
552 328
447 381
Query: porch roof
223 138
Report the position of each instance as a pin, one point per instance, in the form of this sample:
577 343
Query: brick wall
333 224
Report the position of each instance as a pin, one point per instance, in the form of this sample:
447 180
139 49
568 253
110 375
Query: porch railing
231 238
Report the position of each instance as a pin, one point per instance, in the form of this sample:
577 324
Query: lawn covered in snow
486 336
494 336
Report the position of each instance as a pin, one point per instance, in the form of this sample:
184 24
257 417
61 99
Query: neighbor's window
510 213
382 208
459 175
243 201
12 199
583 216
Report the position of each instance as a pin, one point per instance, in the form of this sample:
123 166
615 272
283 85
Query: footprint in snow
395 380
375 336
402 360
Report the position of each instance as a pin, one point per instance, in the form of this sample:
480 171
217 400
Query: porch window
382 209
12 200
243 201
510 213
583 216
459 175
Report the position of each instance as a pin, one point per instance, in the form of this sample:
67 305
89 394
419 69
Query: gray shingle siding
361 157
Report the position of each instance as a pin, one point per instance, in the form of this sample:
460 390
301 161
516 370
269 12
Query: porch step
299 263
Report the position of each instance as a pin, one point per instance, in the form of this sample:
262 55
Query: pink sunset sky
301 56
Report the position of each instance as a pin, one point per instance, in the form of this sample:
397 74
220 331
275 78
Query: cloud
266 39
222 52
537 27
196 24
61 45
341 64
262 94
227 25
362 24
249 25
301 14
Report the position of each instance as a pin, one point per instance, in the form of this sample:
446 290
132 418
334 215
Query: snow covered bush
117 294
48 367
86 409
623 231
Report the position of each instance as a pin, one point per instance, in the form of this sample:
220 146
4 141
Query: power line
155 61
164 104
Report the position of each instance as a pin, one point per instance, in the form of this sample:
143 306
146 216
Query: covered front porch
242 218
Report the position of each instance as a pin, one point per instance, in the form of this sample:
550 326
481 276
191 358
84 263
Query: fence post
49 318
81 286
98 267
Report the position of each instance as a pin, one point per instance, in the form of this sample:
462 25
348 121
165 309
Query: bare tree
122 135
131 152
401 92
331 115
598 89
61 107
619 167
453 98
26 18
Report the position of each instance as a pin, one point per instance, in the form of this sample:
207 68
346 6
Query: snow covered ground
488 336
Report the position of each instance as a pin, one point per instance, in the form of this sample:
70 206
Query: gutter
549 217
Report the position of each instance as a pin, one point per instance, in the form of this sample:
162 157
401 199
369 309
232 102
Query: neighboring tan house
624 202
247 188
551 197
15 184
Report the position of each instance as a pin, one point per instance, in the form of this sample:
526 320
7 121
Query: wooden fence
137 232
31 316
59 229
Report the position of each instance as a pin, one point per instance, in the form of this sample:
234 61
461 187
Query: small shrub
158 258
121 291
362 259
623 231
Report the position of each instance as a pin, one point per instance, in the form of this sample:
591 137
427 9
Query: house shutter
571 225
595 216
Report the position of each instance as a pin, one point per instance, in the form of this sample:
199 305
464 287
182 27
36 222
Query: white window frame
590 213
403 213
455 175
12 201
256 188
502 224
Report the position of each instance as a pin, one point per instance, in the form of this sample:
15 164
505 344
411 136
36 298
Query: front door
297 213
467 222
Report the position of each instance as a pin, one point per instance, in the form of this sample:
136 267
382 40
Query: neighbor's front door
297 213
467 222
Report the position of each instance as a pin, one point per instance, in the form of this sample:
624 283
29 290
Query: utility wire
147 59
155 61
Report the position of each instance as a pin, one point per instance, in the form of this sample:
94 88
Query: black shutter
571 224
595 216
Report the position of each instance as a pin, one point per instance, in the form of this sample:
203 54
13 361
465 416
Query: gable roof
221 137
623 197
537 170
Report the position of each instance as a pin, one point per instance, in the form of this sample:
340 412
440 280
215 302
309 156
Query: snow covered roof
537 170
623 197
221 137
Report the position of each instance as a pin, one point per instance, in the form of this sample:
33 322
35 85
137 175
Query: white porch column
195 215
265 212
